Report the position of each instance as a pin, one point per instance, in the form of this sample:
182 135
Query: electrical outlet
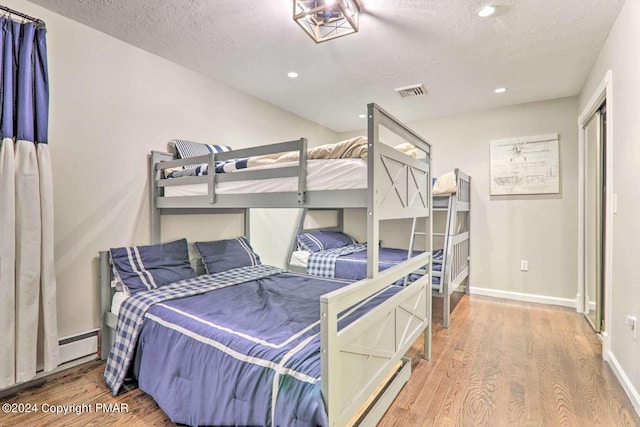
524 265
632 323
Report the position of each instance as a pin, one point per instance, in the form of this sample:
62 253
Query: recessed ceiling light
500 90
292 74
486 11
362 116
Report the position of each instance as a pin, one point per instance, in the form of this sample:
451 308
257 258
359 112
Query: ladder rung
437 261
439 234
419 233
440 209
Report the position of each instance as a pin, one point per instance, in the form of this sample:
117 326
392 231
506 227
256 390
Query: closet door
593 214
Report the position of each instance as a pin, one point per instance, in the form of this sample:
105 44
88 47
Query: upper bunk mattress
334 174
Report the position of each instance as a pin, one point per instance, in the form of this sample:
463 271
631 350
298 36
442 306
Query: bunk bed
450 257
451 197
362 365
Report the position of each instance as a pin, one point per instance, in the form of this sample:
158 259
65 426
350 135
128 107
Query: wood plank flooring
501 363
510 363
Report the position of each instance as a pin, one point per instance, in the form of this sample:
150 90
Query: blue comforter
354 265
246 354
350 262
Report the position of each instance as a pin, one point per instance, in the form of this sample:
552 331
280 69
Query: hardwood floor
500 363
504 363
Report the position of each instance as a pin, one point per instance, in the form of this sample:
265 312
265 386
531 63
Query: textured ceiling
538 49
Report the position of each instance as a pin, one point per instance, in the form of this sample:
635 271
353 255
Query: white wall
112 103
620 54
507 229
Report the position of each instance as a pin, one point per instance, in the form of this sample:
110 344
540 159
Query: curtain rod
38 22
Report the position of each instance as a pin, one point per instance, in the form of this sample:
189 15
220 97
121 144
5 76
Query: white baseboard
631 391
540 299
606 345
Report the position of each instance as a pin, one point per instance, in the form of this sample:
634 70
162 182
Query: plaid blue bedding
200 170
323 263
247 354
134 309
350 262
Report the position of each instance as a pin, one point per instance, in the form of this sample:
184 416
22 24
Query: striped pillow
223 255
186 149
316 241
141 268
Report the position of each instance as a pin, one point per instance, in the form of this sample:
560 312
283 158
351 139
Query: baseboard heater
74 351
78 346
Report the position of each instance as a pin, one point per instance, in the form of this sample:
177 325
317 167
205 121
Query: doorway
596 209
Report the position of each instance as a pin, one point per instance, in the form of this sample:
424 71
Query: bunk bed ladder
446 241
447 255
412 242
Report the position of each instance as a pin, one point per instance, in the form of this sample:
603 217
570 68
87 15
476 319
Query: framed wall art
525 165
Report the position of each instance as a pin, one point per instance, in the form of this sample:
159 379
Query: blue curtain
27 271
24 79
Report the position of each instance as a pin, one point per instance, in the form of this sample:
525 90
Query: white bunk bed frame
456 245
359 358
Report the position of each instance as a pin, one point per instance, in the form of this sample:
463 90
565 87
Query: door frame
603 93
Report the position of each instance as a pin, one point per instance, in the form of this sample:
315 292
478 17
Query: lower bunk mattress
350 262
242 352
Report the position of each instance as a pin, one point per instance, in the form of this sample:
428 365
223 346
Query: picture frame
525 165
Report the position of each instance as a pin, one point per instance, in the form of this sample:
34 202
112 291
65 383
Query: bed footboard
461 242
460 260
358 358
456 259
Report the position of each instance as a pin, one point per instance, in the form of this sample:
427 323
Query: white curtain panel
7 263
47 271
28 255
27 275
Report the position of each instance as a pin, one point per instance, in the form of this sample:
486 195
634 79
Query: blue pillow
186 149
223 255
316 241
141 268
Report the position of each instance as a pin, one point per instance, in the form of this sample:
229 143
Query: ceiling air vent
409 91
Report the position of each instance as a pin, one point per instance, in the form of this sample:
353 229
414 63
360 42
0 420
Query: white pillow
445 184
